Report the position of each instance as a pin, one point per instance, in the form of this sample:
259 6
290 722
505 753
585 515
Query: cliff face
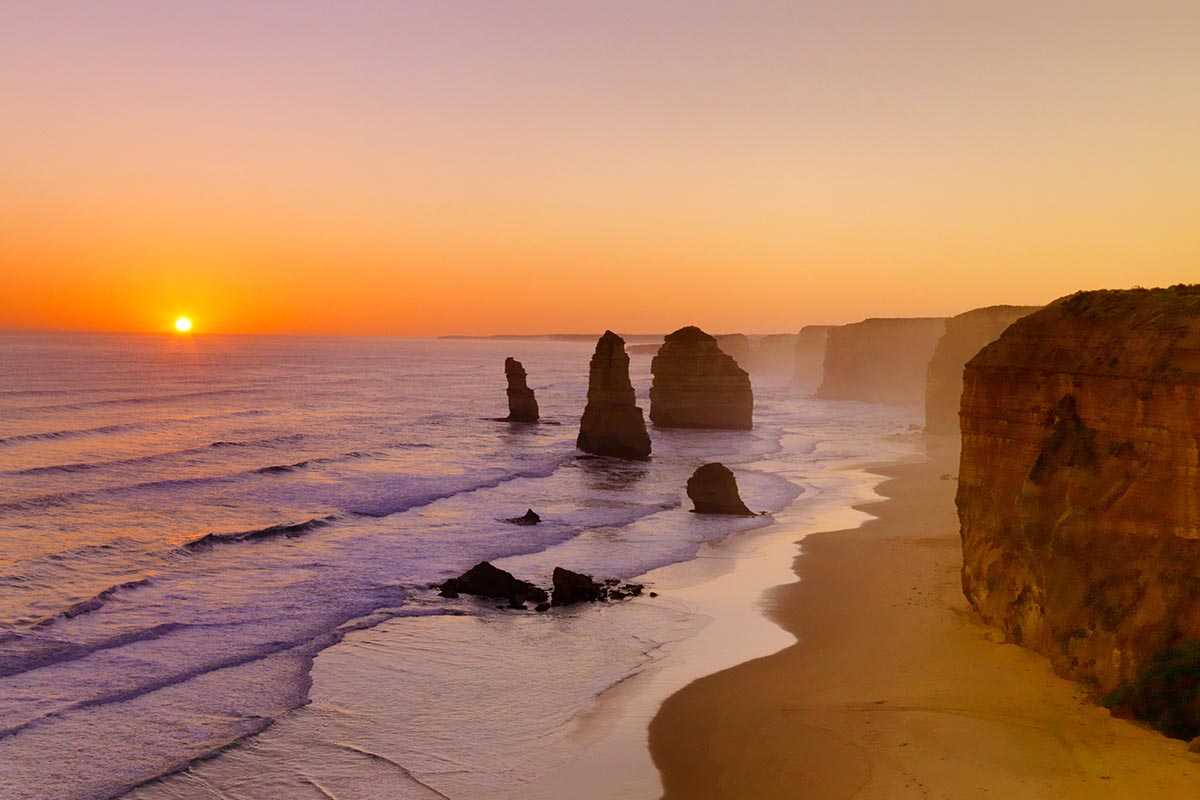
697 385
612 423
966 334
1079 492
522 405
880 360
808 360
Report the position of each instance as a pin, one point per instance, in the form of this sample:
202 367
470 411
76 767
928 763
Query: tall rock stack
522 405
1079 494
966 334
697 385
612 423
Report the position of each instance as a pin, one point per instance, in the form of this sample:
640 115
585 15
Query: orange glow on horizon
742 167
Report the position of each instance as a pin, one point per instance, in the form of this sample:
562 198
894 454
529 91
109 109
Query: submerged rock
574 587
530 517
612 423
522 405
1079 495
713 490
486 580
698 385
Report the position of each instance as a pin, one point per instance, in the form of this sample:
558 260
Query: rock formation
808 364
612 423
1079 494
530 517
880 360
713 490
486 580
966 334
522 405
573 587
697 385
736 346
773 355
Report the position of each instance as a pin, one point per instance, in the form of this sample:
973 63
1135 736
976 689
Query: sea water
187 522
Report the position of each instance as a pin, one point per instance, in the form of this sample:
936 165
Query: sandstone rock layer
698 385
612 423
1079 493
713 489
966 334
522 405
880 360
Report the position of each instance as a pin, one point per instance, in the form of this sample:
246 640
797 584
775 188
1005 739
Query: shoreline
728 583
893 689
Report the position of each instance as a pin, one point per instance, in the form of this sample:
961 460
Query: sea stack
713 490
522 405
698 385
1079 494
966 334
880 360
612 423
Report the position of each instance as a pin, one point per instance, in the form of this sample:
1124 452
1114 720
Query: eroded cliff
966 334
880 360
1079 494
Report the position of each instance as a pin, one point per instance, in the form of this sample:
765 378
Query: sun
183 324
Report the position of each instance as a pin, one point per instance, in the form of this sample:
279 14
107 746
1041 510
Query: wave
14 662
92 603
73 433
85 466
207 541
122 401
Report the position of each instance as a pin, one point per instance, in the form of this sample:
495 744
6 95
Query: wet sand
893 690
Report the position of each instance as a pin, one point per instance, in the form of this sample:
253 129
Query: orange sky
508 167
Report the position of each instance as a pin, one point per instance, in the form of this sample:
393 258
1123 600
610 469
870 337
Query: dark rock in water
530 517
537 595
448 593
485 580
612 423
574 587
713 490
522 405
540 607
634 589
698 385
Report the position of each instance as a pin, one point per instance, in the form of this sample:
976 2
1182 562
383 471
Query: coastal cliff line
1079 495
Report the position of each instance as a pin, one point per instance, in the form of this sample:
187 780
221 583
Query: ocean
187 522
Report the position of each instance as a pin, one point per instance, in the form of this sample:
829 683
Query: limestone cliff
697 385
774 355
1079 494
612 423
966 334
808 360
522 405
880 360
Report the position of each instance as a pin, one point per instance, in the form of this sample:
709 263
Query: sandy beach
894 690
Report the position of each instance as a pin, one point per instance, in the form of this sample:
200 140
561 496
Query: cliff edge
880 360
966 334
1079 495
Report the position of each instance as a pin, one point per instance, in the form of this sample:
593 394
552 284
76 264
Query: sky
452 167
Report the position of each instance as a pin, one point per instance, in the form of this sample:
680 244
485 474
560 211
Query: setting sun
183 324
